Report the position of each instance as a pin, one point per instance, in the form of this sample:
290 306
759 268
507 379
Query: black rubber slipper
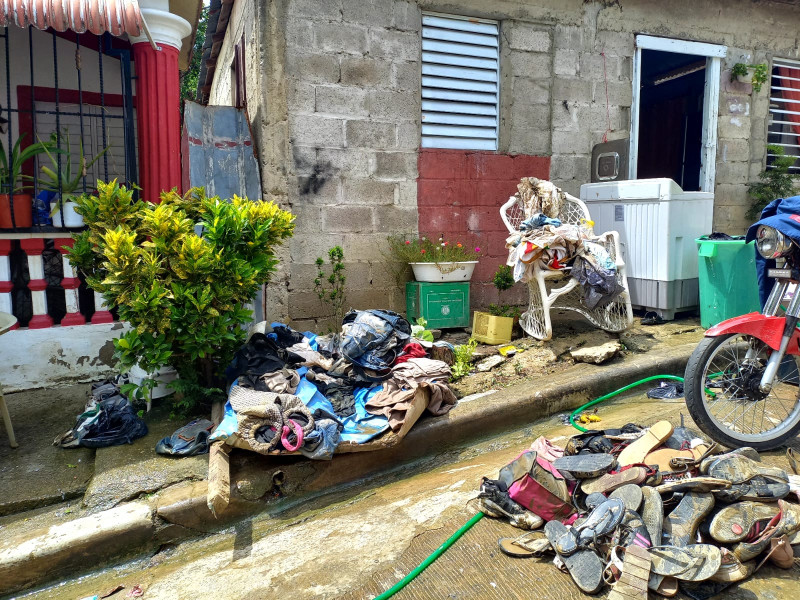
652 318
584 566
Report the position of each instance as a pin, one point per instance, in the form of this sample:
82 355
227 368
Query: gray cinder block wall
333 92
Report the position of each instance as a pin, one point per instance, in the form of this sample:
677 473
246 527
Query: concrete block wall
353 78
334 103
590 66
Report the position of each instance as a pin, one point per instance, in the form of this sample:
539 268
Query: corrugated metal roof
96 16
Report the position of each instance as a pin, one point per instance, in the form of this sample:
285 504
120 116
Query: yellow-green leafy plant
463 359
180 272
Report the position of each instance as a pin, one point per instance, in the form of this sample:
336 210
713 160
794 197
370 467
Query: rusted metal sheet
95 16
218 152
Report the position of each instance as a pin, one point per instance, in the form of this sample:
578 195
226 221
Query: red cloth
785 72
412 350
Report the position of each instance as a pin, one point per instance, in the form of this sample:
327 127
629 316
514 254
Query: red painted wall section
459 194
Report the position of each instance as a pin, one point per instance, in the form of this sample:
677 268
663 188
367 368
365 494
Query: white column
70 283
33 248
5 277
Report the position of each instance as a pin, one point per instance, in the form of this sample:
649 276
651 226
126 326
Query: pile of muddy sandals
655 509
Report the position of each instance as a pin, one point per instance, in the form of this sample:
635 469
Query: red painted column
158 118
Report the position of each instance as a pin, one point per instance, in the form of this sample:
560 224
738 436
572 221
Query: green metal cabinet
443 305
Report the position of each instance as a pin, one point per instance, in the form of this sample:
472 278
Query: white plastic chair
545 294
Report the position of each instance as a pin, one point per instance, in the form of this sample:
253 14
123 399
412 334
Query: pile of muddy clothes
638 509
543 242
300 392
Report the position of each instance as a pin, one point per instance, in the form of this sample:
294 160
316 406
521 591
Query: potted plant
496 325
756 75
61 181
435 261
11 178
182 293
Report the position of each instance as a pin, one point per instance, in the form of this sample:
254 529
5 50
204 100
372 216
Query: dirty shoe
635 574
745 451
680 527
636 452
733 523
495 502
732 569
737 468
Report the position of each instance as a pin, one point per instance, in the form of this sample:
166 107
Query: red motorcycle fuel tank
767 329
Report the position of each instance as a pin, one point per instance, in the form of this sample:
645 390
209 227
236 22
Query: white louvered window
784 108
460 82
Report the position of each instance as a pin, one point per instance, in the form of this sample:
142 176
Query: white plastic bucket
443 272
164 376
71 218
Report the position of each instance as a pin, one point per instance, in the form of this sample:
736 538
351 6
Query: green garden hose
577 411
427 562
453 538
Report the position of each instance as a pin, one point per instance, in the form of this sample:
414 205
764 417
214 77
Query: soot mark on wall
321 172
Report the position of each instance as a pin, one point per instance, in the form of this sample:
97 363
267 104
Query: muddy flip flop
584 566
635 574
745 451
693 484
733 523
737 468
681 525
749 550
695 562
652 513
667 586
632 531
526 545
630 494
611 481
637 451
732 569
585 466
780 552
759 488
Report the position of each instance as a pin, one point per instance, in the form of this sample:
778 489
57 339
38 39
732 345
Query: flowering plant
417 249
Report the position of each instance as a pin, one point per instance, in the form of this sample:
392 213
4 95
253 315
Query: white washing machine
657 223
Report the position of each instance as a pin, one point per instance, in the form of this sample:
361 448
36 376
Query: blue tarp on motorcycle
782 214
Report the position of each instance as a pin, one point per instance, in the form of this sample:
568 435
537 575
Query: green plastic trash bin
728 282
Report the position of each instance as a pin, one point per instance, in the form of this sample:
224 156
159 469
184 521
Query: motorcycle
742 383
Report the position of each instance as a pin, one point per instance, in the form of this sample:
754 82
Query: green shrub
463 363
330 288
775 182
182 293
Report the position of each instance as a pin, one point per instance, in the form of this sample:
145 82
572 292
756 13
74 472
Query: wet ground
358 543
38 474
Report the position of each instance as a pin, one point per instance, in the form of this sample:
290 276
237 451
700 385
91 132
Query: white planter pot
163 377
71 218
443 272
746 78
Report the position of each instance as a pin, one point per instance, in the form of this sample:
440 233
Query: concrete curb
181 511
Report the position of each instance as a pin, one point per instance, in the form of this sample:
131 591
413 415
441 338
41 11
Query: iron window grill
68 91
784 108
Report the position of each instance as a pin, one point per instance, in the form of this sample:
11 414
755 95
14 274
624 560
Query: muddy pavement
360 543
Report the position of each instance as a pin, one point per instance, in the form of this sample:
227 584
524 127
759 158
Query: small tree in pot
496 326
180 272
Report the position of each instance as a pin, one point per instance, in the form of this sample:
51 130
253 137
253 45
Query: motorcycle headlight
771 243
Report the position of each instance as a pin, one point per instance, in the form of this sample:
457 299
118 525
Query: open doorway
671 117
674 112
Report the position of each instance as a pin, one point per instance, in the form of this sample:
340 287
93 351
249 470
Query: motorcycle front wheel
721 385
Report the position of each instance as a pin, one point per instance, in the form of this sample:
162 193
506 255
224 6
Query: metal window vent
460 82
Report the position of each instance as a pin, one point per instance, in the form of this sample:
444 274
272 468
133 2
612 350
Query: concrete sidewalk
143 512
355 545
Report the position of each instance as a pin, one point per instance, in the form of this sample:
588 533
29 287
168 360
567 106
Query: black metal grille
88 110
